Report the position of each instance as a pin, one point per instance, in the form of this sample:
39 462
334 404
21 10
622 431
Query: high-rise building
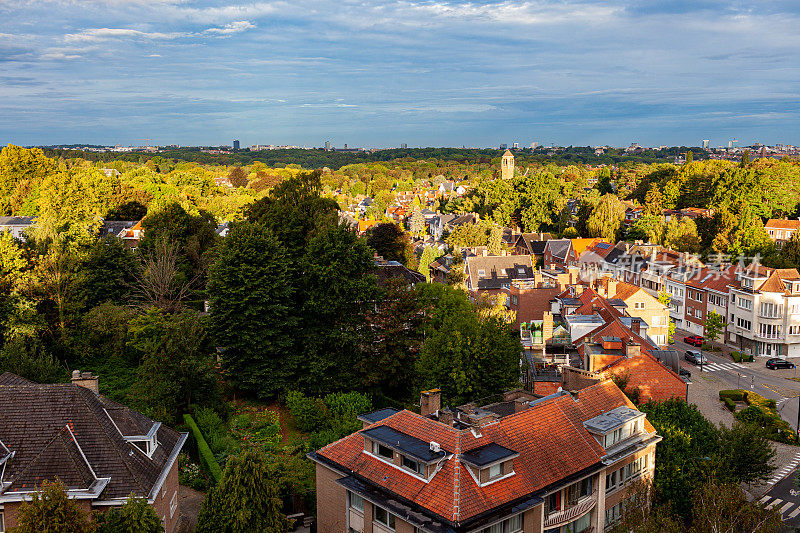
404 146
507 165
516 146
534 145
503 146
236 144
705 144
730 144
327 146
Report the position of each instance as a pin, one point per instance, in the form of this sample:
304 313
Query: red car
694 340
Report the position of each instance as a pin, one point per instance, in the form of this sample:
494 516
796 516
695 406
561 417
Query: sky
377 74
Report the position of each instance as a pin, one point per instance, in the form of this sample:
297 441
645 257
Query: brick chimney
430 401
612 287
446 416
86 380
636 326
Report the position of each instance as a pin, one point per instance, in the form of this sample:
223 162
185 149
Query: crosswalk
784 471
716 367
783 506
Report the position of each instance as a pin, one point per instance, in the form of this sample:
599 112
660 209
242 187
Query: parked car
779 363
694 340
695 357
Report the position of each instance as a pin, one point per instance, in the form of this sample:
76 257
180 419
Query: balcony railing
773 336
559 518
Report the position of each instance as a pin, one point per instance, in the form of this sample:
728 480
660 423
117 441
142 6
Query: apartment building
781 230
764 312
561 463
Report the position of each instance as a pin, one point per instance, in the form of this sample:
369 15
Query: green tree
19 166
495 245
464 355
682 236
252 317
429 255
51 511
743 455
68 207
133 516
246 498
745 159
108 272
715 325
666 300
389 241
177 369
790 251
649 228
725 507
606 218
27 357
653 202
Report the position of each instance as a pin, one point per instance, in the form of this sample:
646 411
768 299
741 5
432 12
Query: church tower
507 165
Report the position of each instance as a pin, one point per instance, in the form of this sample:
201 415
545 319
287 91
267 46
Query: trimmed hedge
207 459
729 404
739 357
734 395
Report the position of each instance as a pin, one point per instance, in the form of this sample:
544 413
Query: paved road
754 376
785 496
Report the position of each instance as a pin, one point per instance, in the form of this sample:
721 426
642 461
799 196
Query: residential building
492 274
781 231
132 235
531 244
236 144
640 304
561 463
17 226
764 311
386 270
102 451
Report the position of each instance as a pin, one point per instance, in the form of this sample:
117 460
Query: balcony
559 518
770 336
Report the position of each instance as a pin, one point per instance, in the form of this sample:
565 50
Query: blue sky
379 74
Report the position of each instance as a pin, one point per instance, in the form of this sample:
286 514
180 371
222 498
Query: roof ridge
457 479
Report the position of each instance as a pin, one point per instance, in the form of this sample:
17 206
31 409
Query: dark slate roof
380 414
393 269
112 228
406 444
16 221
51 428
559 247
488 454
493 267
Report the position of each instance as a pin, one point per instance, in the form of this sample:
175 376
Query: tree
653 202
649 228
464 355
429 255
133 516
177 369
68 207
744 456
51 511
745 159
417 222
252 302
725 507
495 245
238 177
131 210
108 272
682 236
689 156
246 498
715 324
158 279
790 251
666 301
26 357
21 165
389 241
606 218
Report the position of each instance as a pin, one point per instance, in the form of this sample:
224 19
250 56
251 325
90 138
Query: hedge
736 395
207 459
729 404
739 357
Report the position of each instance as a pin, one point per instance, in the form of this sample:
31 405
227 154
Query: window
612 480
553 502
481 273
771 310
2 523
794 330
578 526
383 451
356 502
521 270
173 504
495 471
744 324
578 490
383 517
613 514
412 465
514 299
509 525
745 304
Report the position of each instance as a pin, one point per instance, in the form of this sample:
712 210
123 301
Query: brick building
102 451
558 463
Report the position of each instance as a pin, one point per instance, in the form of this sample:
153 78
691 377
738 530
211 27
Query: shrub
736 395
729 404
736 356
308 413
207 459
740 357
190 474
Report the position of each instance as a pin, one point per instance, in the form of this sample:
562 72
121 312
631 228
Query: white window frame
173 504
391 520
352 498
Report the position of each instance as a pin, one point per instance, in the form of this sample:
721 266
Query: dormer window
404 452
481 273
490 462
383 451
412 465
616 426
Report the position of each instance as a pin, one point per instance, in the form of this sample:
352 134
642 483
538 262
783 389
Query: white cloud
104 34
231 28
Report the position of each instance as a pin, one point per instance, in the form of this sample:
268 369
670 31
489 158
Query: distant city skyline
372 73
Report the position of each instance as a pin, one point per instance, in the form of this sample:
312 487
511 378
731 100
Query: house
781 231
102 451
109 172
385 270
132 235
492 274
17 226
565 252
632 214
640 304
557 463
223 229
531 244
764 311
441 223
363 206
113 228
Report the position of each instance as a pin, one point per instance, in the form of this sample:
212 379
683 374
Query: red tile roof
782 224
550 438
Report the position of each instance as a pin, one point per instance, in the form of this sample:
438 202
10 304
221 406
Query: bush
190 474
736 395
740 357
207 459
308 413
708 347
729 404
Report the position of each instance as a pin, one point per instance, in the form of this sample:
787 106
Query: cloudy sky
427 73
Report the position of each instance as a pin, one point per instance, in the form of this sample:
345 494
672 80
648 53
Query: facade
101 450
492 274
562 463
781 231
507 165
17 226
236 144
764 312
641 304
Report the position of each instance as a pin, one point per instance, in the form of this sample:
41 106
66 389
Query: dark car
695 357
694 340
779 363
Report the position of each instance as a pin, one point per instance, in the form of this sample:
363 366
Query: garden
756 411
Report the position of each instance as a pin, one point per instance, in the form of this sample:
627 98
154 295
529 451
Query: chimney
446 416
612 287
636 326
86 380
430 401
632 349
485 252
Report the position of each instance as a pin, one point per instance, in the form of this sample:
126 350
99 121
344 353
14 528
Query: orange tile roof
579 245
775 223
655 381
625 290
550 438
775 284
